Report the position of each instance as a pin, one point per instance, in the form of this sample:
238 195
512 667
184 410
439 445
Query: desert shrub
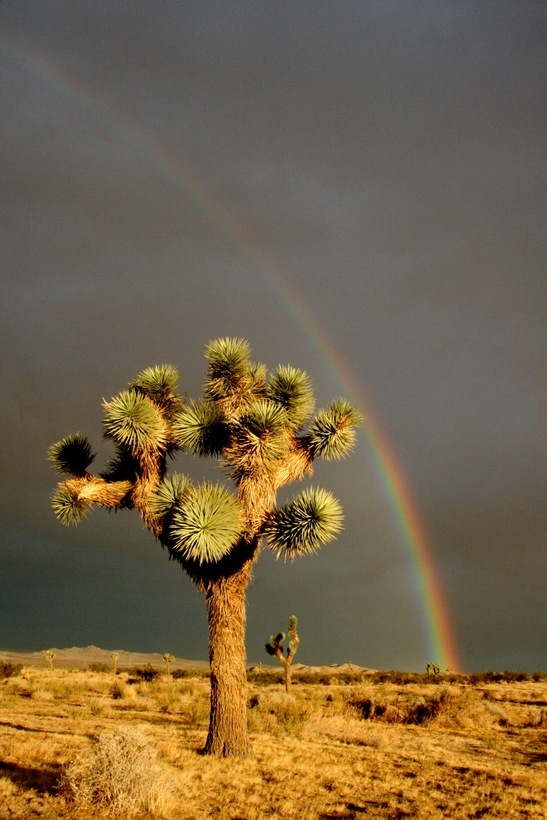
98 666
16 686
264 677
120 774
291 716
118 690
189 673
196 713
171 697
508 676
147 673
96 708
9 670
64 689
278 713
446 707
305 677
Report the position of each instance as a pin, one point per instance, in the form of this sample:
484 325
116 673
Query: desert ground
82 742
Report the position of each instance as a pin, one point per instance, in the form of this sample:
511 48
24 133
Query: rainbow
441 643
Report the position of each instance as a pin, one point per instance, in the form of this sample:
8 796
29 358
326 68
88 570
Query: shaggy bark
226 609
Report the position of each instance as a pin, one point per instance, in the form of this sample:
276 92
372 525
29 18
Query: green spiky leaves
261 426
274 646
292 389
170 494
300 528
158 383
68 507
133 421
332 432
206 526
229 366
72 455
199 427
260 431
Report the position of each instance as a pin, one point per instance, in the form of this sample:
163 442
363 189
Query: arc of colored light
436 620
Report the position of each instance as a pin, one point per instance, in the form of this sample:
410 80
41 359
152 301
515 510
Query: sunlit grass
426 750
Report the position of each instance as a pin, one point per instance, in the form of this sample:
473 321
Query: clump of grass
98 666
9 670
16 686
120 691
147 672
445 707
189 673
279 714
197 712
96 708
120 774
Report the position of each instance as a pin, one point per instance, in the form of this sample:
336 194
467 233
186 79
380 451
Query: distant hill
83 656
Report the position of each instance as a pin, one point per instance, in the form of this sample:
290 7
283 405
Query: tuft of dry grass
119 774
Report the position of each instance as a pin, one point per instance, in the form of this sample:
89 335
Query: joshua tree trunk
228 734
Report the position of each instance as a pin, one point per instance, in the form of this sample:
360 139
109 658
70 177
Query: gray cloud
168 172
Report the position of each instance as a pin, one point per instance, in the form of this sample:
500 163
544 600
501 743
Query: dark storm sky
384 159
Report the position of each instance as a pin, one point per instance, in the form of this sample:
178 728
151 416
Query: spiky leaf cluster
274 646
72 455
301 527
207 525
170 494
332 432
200 428
228 367
259 432
68 507
134 421
292 389
159 383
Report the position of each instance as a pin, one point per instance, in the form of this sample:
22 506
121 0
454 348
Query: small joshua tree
114 656
433 670
168 660
274 647
264 430
50 654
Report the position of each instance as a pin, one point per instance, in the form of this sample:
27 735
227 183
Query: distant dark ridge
83 656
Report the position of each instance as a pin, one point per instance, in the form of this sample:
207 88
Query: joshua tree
275 647
261 427
168 660
50 654
114 656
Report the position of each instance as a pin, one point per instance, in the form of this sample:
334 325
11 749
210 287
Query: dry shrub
447 707
279 714
197 712
118 690
347 728
119 775
9 670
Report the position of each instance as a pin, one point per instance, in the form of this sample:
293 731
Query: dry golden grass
425 751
